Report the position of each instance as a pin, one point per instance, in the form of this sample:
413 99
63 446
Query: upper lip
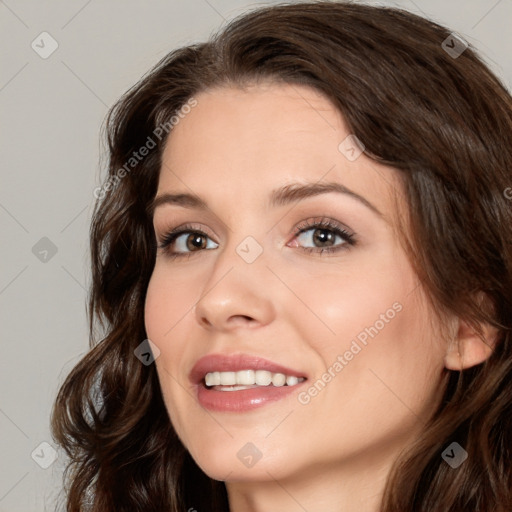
236 362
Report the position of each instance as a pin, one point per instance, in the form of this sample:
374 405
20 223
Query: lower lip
244 399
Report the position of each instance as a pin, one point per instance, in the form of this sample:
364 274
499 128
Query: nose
237 294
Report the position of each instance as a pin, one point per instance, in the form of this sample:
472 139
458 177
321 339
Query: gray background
51 113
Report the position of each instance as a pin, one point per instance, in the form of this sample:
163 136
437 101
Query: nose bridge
244 244
239 284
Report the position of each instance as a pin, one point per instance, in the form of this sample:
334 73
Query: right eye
184 241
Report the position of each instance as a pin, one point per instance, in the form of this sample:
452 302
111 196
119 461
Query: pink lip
242 400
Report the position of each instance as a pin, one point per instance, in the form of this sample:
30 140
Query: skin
299 309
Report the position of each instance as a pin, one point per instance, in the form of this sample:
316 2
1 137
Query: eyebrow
279 197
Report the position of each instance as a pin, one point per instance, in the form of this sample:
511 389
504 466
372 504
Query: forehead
260 120
245 142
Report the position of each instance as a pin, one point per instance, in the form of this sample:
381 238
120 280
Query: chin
244 464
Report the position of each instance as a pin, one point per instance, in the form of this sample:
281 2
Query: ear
468 348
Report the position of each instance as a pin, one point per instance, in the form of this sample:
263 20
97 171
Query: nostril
204 321
243 319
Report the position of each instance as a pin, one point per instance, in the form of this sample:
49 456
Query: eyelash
326 224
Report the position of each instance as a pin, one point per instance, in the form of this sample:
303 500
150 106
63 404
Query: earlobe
468 348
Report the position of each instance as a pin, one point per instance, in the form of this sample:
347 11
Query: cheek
152 307
166 305
389 360
345 299
166 309
167 301
373 315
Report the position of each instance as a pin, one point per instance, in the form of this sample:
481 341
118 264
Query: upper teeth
250 377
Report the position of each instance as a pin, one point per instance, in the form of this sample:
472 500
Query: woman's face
351 321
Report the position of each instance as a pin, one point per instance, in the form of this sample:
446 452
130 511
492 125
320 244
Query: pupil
325 235
195 241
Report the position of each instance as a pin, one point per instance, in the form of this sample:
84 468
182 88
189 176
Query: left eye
324 236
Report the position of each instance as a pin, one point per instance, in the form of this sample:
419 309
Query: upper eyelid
183 228
301 226
313 220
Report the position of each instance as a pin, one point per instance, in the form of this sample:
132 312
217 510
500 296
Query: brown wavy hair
445 122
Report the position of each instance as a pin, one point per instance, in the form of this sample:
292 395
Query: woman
342 338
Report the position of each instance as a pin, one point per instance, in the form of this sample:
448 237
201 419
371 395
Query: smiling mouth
239 383
248 379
